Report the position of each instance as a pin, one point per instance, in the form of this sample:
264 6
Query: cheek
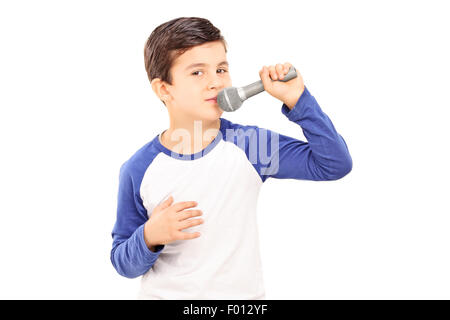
190 98
188 93
227 82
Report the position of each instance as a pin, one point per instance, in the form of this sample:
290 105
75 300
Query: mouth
212 100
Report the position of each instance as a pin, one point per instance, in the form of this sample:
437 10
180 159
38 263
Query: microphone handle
257 87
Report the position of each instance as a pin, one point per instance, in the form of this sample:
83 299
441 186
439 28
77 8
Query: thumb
166 203
265 78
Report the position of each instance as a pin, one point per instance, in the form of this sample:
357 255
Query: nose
216 82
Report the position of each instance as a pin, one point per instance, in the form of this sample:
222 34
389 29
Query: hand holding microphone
281 81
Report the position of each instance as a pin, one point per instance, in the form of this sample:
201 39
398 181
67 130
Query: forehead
209 53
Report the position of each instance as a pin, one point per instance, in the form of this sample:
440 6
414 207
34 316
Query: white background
76 103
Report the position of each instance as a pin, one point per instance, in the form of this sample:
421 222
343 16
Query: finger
273 73
287 66
181 235
184 205
189 223
166 203
280 70
189 214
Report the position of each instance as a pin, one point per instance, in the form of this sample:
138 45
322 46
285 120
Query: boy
205 165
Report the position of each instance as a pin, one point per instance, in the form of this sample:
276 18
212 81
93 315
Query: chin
210 117
212 113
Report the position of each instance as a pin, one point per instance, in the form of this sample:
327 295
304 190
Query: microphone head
229 100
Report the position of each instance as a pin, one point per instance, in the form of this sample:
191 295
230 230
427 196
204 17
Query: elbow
129 275
344 169
124 272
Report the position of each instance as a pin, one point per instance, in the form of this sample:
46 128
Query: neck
188 136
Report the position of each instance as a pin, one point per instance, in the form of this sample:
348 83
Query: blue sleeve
324 157
130 255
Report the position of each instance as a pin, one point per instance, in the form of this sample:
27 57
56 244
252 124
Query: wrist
148 242
290 102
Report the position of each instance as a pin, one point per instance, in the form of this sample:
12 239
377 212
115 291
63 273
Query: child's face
191 86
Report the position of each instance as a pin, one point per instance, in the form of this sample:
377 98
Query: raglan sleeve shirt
324 157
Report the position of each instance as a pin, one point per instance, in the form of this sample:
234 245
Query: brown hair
171 39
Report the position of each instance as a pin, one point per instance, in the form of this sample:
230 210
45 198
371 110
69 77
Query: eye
196 72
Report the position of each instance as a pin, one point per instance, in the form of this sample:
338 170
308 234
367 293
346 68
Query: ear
159 87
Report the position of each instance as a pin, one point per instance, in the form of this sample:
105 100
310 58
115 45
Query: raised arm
325 156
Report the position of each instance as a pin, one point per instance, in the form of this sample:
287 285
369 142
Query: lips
213 98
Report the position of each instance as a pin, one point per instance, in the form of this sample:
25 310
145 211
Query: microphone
230 99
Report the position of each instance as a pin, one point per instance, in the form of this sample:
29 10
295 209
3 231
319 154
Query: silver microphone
231 98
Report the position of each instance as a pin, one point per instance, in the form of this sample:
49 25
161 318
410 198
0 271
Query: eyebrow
204 64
